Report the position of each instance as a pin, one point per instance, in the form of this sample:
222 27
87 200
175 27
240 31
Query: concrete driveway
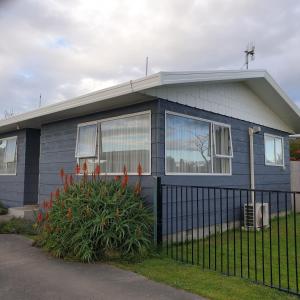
28 273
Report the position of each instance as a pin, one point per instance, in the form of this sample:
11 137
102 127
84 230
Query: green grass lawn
228 253
209 284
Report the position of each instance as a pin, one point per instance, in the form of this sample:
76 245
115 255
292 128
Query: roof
134 91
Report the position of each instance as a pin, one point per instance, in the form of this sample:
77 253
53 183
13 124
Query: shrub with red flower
87 220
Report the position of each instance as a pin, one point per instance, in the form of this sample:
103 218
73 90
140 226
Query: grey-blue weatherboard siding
58 142
22 188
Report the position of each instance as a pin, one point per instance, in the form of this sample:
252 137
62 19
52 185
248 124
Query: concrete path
28 273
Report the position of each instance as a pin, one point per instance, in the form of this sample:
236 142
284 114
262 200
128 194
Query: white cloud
65 48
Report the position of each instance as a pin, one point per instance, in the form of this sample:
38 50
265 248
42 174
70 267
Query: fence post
157 211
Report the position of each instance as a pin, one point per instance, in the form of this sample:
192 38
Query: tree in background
295 150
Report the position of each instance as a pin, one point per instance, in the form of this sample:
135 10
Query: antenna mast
40 101
250 51
147 62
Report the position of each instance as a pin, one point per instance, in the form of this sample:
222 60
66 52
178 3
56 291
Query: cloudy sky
64 48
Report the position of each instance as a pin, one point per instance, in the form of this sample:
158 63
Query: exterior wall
266 177
12 186
233 99
58 142
22 188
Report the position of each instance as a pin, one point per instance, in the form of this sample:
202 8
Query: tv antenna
147 63
250 51
40 101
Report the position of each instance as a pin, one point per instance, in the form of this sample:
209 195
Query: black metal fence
253 234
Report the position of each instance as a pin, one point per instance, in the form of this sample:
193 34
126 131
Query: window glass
273 150
8 157
125 142
222 165
222 140
278 151
188 145
86 141
10 151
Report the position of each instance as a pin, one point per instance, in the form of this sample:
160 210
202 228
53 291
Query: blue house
190 128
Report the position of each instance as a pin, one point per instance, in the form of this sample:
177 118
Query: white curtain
10 151
8 162
222 140
125 141
87 141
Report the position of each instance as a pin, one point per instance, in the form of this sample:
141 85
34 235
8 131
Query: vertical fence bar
198 234
215 219
248 239
278 240
208 206
158 212
176 207
167 217
181 221
270 237
255 228
227 233
192 212
262 236
241 234
221 216
286 242
203 241
295 240
234 244
171 208
187 225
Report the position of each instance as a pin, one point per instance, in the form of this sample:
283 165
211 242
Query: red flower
117 178
66 186
47 216
57 194
71 181
124 170
45 204
66 179
97 170
137 189
62 173
77 169
124 181
84 167
69 213
50 203
39 217
139 169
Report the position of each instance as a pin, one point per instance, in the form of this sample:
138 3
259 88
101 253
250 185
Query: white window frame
215 143
98 122
282 147
96 140
16 154
167 112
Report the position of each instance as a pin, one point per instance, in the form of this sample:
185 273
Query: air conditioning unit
259 219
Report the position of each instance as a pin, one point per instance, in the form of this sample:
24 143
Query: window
274 153
222 148
190 148
86 147
8 156
120 141
125 141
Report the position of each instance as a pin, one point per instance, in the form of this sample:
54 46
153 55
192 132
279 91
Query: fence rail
253 234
